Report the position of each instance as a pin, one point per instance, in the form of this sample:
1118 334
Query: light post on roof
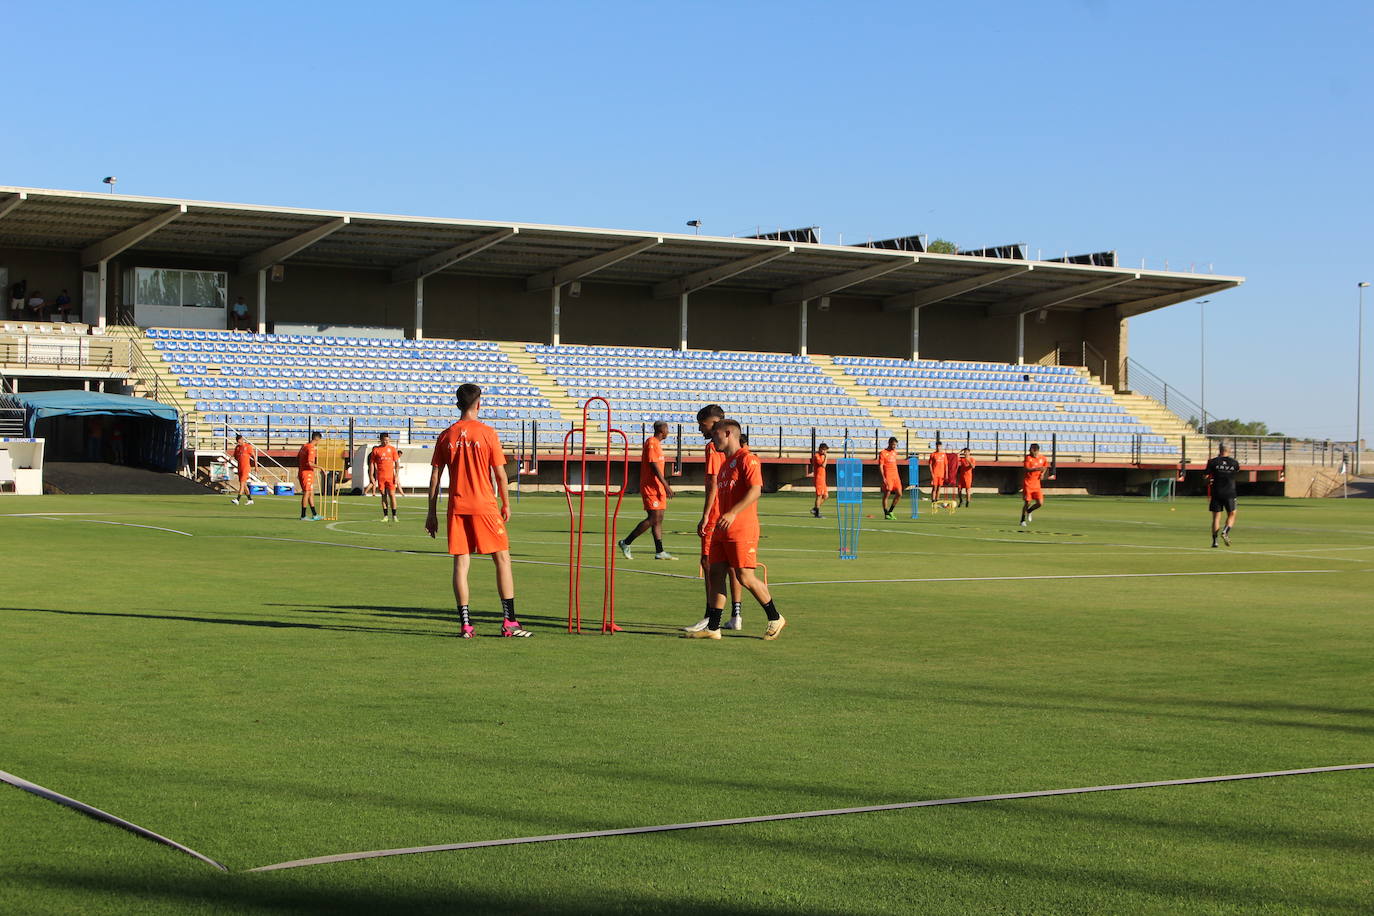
111 181
1359 369
695 224
1202 359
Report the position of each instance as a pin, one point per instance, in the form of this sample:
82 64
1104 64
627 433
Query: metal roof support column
1020 338
801 326
555 314
419 307
262 301
102 300
682 321
916 333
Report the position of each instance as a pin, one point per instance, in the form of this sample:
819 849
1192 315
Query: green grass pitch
263 698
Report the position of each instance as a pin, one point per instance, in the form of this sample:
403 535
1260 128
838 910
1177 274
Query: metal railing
1136 378
12 416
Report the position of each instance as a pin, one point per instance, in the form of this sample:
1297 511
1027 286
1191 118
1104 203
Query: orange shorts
386 484
307 480
653 498
937 480
822 489
1033 494
243 473
737 554
965 481
892 485
476 534
709 536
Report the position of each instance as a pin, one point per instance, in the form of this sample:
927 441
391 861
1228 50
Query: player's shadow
533 621
229 621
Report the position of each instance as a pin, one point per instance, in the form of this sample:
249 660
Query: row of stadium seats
546 353
320 340
952 365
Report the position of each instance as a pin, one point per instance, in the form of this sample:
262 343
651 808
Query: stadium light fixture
695 224
111 181
1359 369
1202 359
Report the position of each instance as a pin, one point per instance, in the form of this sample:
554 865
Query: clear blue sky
1235 135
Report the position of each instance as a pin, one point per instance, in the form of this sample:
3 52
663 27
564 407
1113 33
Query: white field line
1162 575
95 521
798 815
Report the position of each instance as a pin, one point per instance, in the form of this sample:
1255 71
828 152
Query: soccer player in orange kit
892 478
472 454
735 543
245 458
654 493
1034 465
963 477
383 462
307 463
818 463
707 418
939 463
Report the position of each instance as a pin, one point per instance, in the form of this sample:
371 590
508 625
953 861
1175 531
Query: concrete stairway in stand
559 399
856 391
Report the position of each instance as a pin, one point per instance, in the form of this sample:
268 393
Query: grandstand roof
104 225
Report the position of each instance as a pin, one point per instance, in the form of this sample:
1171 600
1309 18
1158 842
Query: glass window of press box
177 298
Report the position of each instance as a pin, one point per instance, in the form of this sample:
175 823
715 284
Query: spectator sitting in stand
63 304
36 305
238 314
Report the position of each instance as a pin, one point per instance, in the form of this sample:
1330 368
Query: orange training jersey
650 458
739 473
1035 466
714 461
966 466
887 462
937 462
818 463
243 454
383 460
469 449
306 457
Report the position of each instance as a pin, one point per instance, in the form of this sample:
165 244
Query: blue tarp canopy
44 405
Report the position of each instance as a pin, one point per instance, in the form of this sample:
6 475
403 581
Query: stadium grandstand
278 322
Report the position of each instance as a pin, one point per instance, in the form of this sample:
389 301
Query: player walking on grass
939 463
818 463
472 454
307 463
383 462
245 459
707 418
735 543
1221 488
1034 497
963 477
892 478
654 493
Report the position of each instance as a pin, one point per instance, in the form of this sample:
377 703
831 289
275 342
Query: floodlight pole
1202 360
1359 370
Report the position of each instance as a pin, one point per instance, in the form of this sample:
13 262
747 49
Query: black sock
463 612
302 511
713 618
630 538
735 608
508 608
658 545
771 611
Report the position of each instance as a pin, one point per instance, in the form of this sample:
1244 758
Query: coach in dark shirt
1221 485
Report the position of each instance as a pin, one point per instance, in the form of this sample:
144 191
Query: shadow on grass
535 621
234 621
274 893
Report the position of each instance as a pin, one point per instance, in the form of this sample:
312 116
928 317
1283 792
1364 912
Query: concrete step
559 399
856 391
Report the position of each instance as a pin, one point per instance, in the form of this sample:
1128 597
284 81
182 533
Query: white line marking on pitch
96 521
1234 572
798 815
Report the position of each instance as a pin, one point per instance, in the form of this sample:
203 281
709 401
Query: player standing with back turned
472 453
892 478
1221 487
245 457
307 463
818 463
